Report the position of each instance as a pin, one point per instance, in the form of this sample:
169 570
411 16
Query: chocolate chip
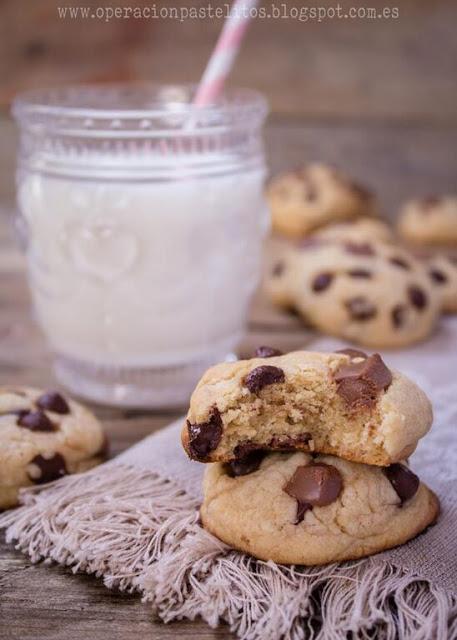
359 383
204 437
359 248
353 353
244 448
429 202
362 192
288 443
361 309
278 269
248 464
310 190
267 352
314 485
44 468
403 480
321 282
417 297
438 276
15 412
262 376
398 315
53 401
360 273
400 262
35 421
311 193
103 451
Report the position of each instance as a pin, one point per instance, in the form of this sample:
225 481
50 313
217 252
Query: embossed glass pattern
143 221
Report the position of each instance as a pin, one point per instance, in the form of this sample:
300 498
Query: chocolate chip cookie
359 230
44 436
347 404
442 271
294 508
315 195
429 221
374 294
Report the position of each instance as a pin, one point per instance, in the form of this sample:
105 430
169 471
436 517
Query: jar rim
134 106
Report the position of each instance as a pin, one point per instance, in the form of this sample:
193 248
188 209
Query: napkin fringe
111 521
141 532
197 576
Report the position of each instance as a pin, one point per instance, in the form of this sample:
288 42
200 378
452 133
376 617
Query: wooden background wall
378 96
404 69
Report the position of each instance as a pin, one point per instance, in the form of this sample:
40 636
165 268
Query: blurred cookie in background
315 195
373 294
429 221
358 230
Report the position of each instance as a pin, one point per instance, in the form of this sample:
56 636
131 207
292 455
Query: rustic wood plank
37 601
401 69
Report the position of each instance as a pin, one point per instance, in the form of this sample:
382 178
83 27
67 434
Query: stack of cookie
346 273
307 455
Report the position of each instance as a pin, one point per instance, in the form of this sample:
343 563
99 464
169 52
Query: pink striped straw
224 53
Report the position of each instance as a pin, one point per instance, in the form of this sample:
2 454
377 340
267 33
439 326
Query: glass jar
144 219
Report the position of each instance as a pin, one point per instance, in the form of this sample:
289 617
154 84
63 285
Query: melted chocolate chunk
204 437
438 276
263 376
417 297
321 282
267 352
247 464
314 485
278 269
403 480
359 384
288 443
359 248
398 315
53 401
361 309
353 353
45 469
399 262
244 448
35 421
360 273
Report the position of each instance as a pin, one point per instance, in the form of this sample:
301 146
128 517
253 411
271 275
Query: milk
138 273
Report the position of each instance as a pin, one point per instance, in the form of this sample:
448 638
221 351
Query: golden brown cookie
292 508
315 195
429 221
347 404
377 295
43 437
359 230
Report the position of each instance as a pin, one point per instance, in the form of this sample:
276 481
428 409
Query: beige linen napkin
134 522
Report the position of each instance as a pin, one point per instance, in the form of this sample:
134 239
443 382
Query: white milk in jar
143 234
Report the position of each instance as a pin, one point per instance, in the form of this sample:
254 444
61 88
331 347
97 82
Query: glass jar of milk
144 219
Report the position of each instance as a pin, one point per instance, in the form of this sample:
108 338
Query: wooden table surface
49 602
